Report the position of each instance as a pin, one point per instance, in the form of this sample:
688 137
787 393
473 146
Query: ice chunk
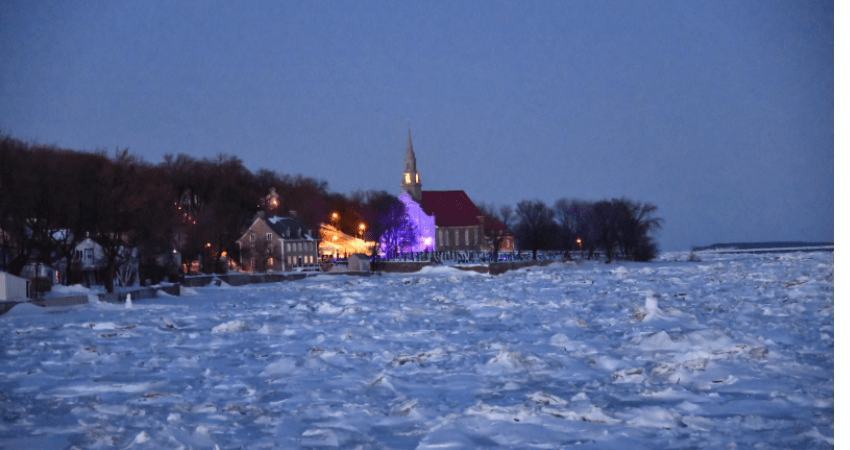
233 325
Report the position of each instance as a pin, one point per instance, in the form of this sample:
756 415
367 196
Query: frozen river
735 351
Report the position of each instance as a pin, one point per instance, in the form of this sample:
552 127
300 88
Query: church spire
410 180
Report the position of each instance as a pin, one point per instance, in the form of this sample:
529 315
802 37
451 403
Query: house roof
450 208
280 225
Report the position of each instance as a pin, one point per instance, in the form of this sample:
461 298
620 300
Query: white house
89 258
359 262
89 255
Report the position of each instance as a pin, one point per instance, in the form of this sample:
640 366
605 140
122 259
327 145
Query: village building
359 262
275 243
445 220
89 259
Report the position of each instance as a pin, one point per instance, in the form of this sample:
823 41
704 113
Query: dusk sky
718 112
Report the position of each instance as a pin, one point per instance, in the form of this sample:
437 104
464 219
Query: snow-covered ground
735 351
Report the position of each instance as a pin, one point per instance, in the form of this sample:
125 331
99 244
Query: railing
469 257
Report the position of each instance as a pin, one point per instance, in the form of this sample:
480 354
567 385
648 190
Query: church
445 220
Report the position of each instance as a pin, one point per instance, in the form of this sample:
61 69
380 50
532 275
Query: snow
59 290
735 351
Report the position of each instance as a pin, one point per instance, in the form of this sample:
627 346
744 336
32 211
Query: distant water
768 247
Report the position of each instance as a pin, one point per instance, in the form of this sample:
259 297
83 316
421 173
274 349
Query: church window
251 237
417 177
268 236
407 178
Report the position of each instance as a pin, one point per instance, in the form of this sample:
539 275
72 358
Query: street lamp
580 251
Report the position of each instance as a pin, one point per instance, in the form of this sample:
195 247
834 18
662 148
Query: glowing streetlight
578 241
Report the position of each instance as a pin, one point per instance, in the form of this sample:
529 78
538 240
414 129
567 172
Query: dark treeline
51 199
614 227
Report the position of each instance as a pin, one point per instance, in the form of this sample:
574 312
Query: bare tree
635 222
535 223
568 218
17 198
496 231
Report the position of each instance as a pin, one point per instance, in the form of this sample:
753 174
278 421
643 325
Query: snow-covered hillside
735 351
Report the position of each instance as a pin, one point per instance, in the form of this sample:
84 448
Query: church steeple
410 179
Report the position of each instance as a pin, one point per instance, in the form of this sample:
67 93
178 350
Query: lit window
407 178
417 177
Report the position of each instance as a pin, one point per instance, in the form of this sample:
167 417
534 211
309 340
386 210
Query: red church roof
450 208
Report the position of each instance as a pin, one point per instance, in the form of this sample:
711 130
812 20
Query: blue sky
720 112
